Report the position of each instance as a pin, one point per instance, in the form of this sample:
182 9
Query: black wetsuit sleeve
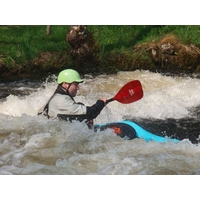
93 111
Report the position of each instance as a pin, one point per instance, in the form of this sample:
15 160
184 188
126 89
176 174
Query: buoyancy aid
63 106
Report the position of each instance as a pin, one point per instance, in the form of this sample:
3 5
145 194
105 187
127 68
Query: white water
31 144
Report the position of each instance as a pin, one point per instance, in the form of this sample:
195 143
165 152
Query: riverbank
27 50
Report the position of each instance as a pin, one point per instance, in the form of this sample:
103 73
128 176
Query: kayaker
63 105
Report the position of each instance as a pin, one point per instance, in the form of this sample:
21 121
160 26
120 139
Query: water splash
32 144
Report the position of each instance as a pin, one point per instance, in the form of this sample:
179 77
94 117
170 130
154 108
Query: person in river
62 104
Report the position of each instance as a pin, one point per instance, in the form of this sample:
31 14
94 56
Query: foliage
26 45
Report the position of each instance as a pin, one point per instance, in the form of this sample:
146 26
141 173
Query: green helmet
69 76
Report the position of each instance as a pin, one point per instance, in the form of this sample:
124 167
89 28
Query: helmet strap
69 84
66 90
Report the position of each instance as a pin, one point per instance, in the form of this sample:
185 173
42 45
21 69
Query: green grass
21 44
120 37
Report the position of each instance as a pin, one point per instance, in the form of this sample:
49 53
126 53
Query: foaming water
164 96
31 144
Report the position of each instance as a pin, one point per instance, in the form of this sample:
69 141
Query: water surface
34 145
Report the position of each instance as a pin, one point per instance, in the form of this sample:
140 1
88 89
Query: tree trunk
48 30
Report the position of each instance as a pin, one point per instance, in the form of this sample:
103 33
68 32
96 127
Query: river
34 145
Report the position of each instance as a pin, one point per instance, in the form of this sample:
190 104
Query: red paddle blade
130 92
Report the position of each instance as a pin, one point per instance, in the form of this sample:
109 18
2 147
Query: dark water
21 86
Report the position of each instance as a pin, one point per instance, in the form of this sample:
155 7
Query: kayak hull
130 130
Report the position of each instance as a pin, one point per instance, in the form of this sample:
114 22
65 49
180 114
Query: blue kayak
130 130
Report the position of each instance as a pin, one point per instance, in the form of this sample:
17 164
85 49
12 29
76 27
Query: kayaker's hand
104 100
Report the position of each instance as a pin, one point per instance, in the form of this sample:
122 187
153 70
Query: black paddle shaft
109 100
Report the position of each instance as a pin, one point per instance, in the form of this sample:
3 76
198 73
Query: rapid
34 145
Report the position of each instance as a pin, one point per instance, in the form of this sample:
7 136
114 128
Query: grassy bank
29 48
20 44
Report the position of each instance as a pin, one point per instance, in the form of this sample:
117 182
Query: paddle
130 92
